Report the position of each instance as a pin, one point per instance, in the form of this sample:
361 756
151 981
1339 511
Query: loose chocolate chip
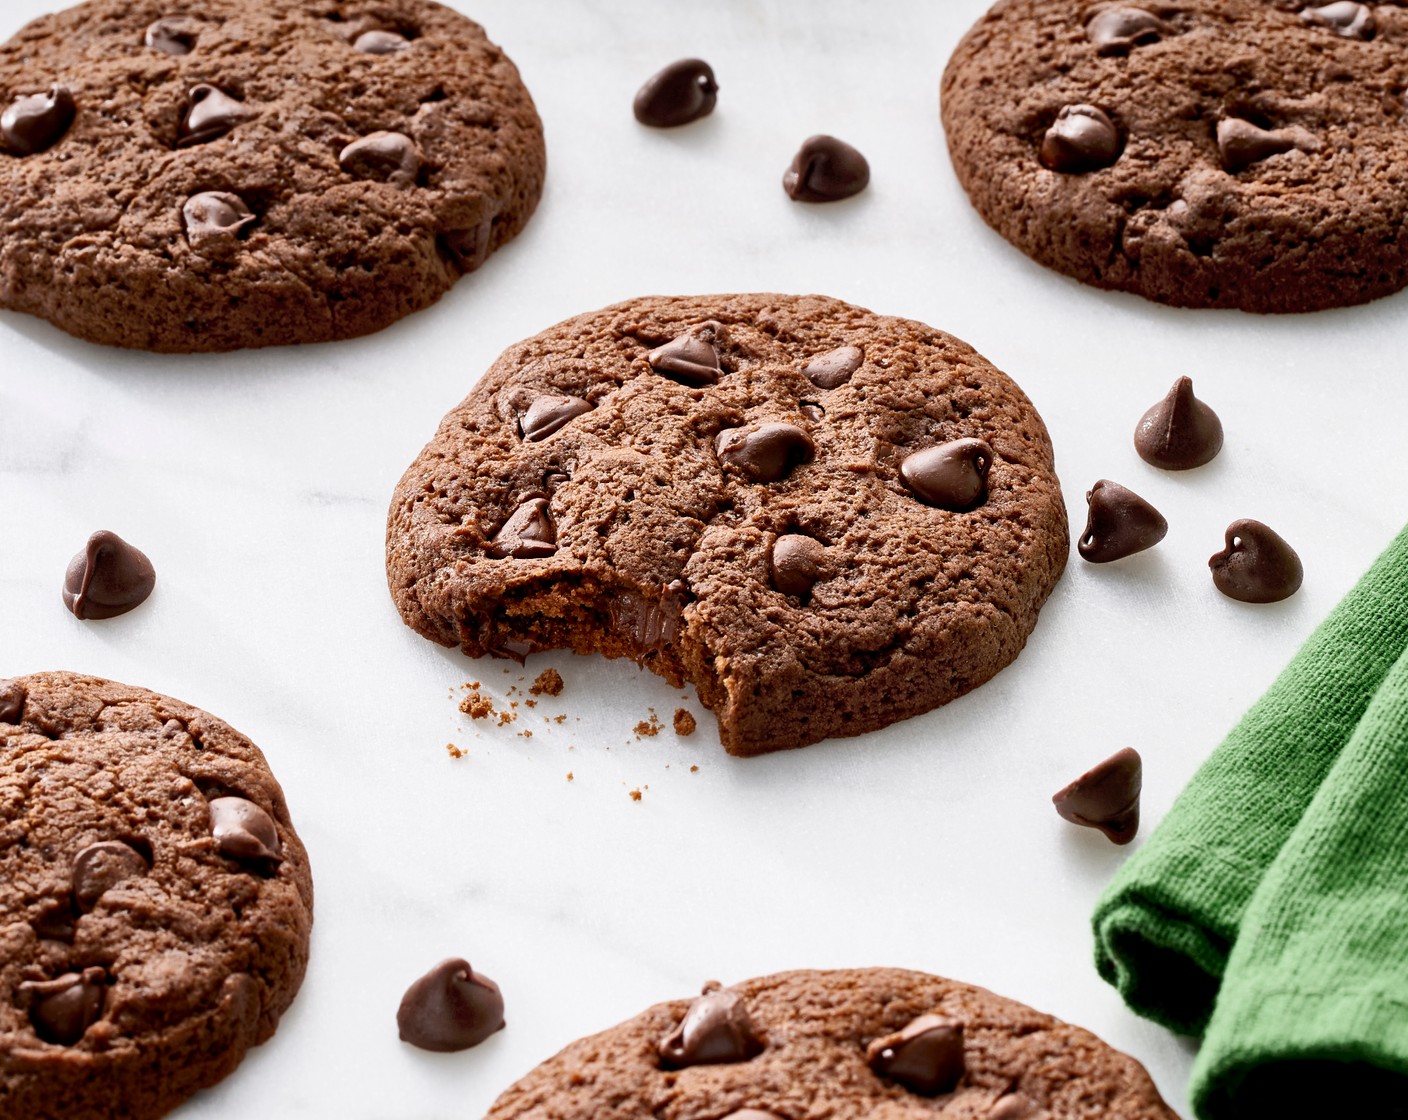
391 157
549 413
1257 566
100 867
796 563
1180 432
528 535
1106 797
451 1007
1119 523
952 476
37 122
1242 143
1082 138
62 1009
1118 30
380 42
173 35
1353 21
215 216
825 170
766 453
108 578
687 358
210 113
835 367
717 1028
1013 1106
926 1057
11 701
243 830
682 92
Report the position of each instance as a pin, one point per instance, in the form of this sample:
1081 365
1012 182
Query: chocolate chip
210 113
37 122
391 157
244 831
796 563
1353 21
108 578
451 1007
766 453
62 1009
1119 523
11 701
100 867
1118 30
1242 143
835 367
215 216
1106 797
649 622
1013 1106
468 248
174 35
1257 566
926 1057
682 92
951 476
1082 138
825 170
717 1028
1180 432
549 413
528 535
688 359
380 42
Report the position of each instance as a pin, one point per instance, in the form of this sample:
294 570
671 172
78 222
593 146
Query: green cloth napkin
1257 913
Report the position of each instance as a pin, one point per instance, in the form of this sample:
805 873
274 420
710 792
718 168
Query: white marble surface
258 483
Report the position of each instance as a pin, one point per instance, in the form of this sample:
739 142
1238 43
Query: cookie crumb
531 703
455 752
569 775
684 722
506 717
525 734
648 729
559 719
694 769
635 795
476 705
549 683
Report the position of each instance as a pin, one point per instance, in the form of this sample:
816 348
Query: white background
258 483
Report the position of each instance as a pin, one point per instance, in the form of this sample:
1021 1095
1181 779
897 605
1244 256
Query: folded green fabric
1312 1018
1165 927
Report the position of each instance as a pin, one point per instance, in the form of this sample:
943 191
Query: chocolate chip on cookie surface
723 516
1209 153
155 902
872 1042
254 172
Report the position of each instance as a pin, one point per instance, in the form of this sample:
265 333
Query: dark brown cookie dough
1257 158
707 507
302 172
812 1032
155 902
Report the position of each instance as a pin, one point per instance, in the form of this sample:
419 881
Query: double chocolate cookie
881 1043
155 902
1203 153
234 173
827 520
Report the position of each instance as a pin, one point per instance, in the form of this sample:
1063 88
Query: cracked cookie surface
254 172
1252 153
155 902
812 1056
747 492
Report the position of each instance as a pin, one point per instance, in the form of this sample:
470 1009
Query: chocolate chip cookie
827 520
190 177
882 1043
155 902
1201 153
